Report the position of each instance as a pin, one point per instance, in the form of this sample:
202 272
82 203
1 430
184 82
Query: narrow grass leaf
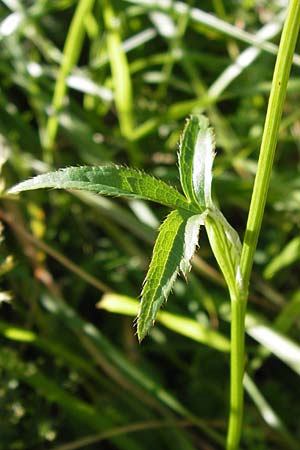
82 413
212 22
196 155
289 314
279 344
120 70
196 331
289 255
266 411
180 324
72 49
132 372
170 254
109 180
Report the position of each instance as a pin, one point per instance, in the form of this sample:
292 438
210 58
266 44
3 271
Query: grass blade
121 77
71 54
185 326
285 258
211 22
284 348
131 371
197 332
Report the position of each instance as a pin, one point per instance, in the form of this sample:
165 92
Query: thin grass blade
180 324
72 49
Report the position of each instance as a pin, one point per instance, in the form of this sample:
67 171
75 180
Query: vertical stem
237 357
255 217
270 136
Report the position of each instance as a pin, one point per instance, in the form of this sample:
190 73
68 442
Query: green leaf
173 250
109 180
71 53
226 246
185 326
196 155
284 348
285 258
191 238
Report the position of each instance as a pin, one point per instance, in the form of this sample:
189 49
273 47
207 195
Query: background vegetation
90 82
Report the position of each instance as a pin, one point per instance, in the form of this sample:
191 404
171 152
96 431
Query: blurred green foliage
115 82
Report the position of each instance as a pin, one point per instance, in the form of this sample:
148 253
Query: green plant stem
270 136
237 357
255 217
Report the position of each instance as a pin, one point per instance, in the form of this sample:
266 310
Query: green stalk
71 53
270 136
237 356
255 217
121 78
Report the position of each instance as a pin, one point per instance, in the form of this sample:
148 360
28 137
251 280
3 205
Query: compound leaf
196 155
108 180
174 247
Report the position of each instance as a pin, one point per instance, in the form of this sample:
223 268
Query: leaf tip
143 325
198 120
13 190
142 331
140 338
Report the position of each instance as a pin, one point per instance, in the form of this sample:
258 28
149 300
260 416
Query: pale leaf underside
196 155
